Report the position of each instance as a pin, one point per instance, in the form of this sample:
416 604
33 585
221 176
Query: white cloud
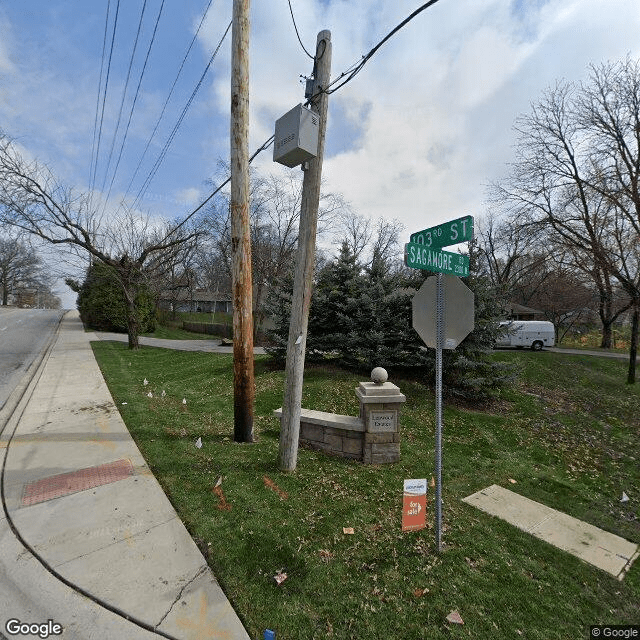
415 136
190 196
435 106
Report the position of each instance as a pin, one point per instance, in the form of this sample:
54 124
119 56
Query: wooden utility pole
243 383
301 301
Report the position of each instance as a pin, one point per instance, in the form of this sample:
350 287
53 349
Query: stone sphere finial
379 375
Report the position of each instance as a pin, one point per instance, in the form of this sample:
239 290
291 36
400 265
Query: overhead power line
135 97
265 145
124 94
357 67
104 97
350 73
295 26
166 102
95 121
172 135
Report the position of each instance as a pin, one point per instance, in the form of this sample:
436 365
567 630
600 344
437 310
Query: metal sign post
440 302
449 328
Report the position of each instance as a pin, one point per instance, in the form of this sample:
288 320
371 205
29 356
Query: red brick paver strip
75 481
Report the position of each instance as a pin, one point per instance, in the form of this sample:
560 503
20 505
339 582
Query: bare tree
513 258
275 211
172 272
34 201
357 231
577 173
368 241
20 266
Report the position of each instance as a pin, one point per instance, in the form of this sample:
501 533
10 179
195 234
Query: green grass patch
568 434
592 340
168 332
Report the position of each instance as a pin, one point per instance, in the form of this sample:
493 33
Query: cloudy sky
415 136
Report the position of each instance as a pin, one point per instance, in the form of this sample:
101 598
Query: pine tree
333 326
361 318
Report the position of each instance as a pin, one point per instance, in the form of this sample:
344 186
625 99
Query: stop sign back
458 312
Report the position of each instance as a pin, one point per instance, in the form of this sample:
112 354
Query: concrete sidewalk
82 498
208 346
602 549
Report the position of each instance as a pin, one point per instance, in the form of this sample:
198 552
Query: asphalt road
23 334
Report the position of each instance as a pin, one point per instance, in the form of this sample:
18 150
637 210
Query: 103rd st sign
446 234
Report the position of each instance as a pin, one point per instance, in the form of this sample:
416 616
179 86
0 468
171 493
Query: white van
527 333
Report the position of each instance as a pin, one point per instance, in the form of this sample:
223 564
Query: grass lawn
177 333
568 434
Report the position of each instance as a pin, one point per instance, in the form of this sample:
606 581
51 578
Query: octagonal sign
458 312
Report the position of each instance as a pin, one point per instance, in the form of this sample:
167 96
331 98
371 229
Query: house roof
514 307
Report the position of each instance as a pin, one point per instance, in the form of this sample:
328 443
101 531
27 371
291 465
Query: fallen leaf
512 481
418 593
222 501
325 555
274 487
454 618
348 530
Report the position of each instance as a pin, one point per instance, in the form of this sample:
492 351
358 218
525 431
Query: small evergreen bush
102 305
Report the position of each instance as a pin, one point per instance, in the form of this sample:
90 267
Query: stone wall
373 437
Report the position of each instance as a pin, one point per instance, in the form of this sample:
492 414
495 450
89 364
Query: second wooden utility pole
301 300
242 291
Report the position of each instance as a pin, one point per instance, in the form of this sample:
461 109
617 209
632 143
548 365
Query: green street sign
444 235
418 256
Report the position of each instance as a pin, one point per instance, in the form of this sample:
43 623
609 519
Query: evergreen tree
102 306
334 308
362 318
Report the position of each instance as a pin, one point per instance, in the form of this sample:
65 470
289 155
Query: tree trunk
607 334
605 313
133 326
633 351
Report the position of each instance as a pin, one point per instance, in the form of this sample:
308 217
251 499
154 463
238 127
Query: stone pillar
380 403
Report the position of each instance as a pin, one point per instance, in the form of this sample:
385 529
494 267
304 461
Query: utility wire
135 98
355 69
95 121
265 145
295 26
104 97
167 144
166 102
351 72
124 94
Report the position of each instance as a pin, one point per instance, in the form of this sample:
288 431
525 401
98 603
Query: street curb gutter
9 409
